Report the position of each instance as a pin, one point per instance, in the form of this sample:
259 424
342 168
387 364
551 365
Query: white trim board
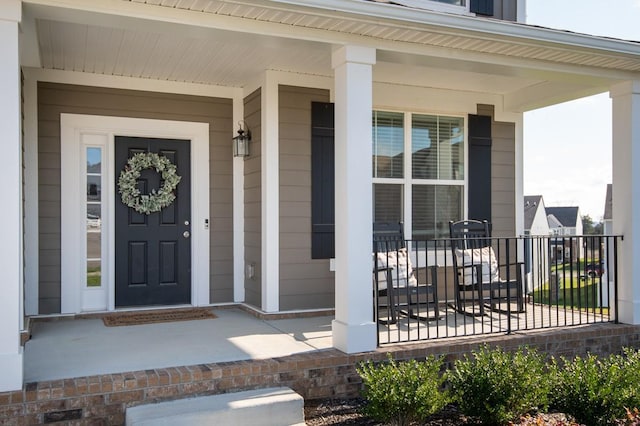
101 130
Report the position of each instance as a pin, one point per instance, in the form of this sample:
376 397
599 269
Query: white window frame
408 181
102 130
438 6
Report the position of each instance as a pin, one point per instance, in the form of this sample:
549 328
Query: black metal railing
432 289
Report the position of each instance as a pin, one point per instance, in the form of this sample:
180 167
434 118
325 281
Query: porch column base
354 338
629 311
11 372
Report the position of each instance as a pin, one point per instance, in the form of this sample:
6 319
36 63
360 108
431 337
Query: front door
153 251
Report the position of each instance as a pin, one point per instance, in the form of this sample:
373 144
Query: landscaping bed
328 412
493 387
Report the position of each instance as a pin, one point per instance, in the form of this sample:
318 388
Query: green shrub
597 391
497 386
402 392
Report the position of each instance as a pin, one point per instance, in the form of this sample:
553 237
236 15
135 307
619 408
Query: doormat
150 317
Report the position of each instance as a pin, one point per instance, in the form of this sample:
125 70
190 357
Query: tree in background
589 227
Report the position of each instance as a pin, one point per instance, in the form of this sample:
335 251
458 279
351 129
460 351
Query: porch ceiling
231 42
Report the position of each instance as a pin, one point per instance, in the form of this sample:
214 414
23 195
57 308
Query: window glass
437 147
388 144
450 148
432 207
424 146
94 216
454 2
387 202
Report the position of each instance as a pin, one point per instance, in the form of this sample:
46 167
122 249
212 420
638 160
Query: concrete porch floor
68 348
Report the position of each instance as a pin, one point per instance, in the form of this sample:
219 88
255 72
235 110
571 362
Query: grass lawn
576 293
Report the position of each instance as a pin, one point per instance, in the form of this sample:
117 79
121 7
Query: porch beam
11 213
353 326
626 196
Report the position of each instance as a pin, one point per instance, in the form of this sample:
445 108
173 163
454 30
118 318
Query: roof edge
483 25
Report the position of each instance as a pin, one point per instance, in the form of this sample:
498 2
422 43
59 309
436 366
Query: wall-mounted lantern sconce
241 142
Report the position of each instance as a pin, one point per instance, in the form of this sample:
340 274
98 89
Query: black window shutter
322 181
480 167
482 7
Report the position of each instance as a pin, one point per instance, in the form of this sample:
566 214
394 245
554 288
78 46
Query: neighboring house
358 111
536 253
566 222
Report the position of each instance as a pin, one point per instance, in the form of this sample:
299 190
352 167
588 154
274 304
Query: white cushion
468 259
401 268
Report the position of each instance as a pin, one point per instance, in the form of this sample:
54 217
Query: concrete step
261 407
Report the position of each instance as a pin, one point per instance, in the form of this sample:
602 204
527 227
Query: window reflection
94 216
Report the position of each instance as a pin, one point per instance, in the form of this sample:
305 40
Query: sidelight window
94 203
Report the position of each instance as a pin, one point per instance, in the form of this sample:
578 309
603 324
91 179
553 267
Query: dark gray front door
153 252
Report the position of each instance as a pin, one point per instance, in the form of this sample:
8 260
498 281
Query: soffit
231 43
581 49
219 57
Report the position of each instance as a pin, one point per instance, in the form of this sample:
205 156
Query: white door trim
76 297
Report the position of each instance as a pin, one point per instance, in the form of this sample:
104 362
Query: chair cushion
468 258
402 269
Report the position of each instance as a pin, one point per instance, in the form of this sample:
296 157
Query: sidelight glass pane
94 273
94 160
388 144
94 187
387 202
94 217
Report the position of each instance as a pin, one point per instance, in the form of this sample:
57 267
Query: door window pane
387 202
388 144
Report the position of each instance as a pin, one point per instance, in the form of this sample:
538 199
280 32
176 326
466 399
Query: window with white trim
418 175
453 2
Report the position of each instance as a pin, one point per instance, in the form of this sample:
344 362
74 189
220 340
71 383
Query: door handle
186 234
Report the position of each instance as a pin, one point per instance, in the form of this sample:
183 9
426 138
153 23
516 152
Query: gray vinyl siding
305 283
253 200
503 179
55 99
503 175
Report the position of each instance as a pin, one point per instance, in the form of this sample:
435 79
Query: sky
567 147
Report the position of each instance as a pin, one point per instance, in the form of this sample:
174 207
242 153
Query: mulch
156 316
328 412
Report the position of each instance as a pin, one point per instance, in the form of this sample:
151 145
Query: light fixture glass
241 142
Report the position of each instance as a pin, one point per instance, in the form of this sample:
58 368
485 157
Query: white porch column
353 327
238 207
626 196
10 213
270 195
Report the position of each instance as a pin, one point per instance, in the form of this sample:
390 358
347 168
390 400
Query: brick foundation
102 400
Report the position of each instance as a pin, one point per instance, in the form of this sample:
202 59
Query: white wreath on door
156 200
